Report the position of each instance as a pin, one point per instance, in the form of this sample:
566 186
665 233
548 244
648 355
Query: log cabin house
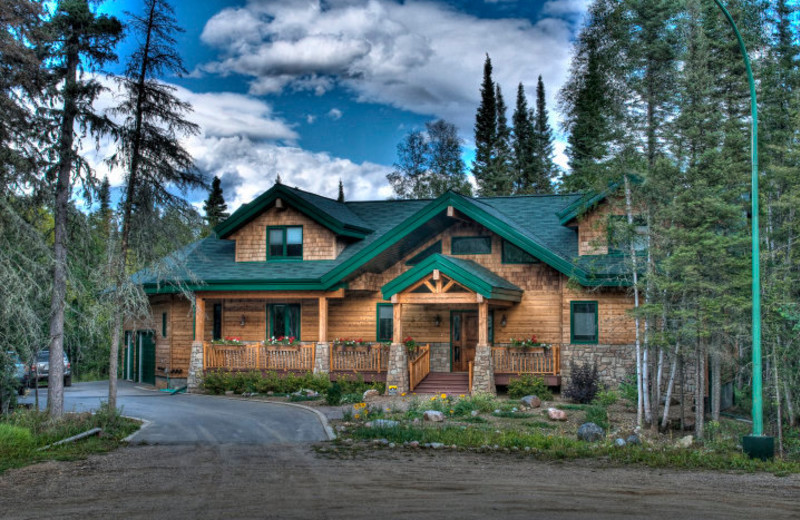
466 279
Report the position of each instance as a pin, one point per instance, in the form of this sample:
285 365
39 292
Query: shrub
627 388
597 415
15 440
334 395
605 398
529 385
583 383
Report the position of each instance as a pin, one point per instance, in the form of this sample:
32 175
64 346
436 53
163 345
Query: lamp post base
759 446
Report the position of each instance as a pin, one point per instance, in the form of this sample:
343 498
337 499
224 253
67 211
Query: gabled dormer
290 225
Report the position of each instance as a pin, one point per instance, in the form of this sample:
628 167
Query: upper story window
514 255
471 246
285 243
622 235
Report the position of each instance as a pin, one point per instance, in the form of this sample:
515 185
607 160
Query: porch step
444 382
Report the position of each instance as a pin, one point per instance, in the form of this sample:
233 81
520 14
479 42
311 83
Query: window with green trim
471 246
385 322
515 255
284 320
620 235
583 322
425 253
285 243
163 324
216 331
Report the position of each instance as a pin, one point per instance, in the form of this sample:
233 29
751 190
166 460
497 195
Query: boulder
413 444
590 432
474 413
531 401
305 392
634 440
685 442
620 443
556 415
370 393
433 416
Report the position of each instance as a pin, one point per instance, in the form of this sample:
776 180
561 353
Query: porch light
437 320
243 321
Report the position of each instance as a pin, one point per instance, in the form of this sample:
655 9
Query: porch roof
466 272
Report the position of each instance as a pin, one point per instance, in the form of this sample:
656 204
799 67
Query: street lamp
756 445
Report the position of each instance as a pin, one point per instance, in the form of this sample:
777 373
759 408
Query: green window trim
476 245
289 252
515 255
583 339
432 249
381 307
163 324
291 326
216 328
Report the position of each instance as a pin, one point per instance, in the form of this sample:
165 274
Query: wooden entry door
464 339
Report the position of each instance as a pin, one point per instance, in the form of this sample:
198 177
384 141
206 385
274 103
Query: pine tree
214 206
340 197
522 145
545 168
485 132
501 179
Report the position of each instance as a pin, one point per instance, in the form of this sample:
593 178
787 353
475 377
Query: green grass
572 406
23 432
513 415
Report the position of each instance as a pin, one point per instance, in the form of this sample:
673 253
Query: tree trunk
639 387
716 385
657 388
55 380
789 404
778 401
699 389
670 386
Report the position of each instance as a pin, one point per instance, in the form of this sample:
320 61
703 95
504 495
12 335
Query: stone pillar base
483 371
397 374
322 358
195 368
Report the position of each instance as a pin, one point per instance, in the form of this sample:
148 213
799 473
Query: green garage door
147 364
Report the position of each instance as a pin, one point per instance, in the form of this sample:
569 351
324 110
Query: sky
317 91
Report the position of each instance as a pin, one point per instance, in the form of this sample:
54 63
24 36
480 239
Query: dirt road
240 481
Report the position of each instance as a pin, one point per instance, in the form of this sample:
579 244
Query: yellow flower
388 410
451 411
433 398
461 396
357 416
444 396
403 394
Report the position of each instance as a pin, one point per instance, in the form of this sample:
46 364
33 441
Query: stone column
397 375
483 371
195 368
322 358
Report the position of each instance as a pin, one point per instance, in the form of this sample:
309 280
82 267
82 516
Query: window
385 322
620 233
216 332
425 253
514 255
163 324
583 322
284 320
285 243
471 246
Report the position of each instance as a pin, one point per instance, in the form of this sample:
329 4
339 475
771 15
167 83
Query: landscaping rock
370 393
414 444
531 401
620 443
433 416
228 392
437 445
590 432
556 415
474 413
685 442
305 392
381 423
634 440
392 445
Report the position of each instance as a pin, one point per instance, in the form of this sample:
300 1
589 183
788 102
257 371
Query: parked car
41 369
20 374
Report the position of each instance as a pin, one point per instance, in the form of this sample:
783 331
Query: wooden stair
451 383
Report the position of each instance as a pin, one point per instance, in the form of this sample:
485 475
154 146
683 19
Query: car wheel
68 380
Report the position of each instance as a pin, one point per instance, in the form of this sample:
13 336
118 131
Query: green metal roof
381 233
466 272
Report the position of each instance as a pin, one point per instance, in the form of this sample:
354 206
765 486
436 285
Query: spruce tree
545 168
214 206
523 145
340 197
485 133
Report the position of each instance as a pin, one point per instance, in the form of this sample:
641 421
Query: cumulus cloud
423 57
335 114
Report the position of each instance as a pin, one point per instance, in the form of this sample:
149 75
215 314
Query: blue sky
317 91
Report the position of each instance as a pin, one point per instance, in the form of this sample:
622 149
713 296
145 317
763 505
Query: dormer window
285 243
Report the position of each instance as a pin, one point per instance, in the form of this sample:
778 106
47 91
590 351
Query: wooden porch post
199 318
322 354
483 371
397 379
483 321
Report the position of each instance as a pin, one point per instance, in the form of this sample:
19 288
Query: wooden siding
616 326
319 243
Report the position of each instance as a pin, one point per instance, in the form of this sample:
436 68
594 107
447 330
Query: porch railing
518 361
258 357
374 358
419 367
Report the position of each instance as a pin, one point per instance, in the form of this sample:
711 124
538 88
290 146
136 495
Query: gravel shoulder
293 481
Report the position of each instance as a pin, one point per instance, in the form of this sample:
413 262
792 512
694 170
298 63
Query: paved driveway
197 419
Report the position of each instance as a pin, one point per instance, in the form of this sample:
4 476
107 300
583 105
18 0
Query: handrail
258 357
508 361
374 359
419 367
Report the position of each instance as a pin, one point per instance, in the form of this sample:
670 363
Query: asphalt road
197 419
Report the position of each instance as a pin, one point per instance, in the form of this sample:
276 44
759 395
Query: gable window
163 324
620 235
583 322
385 322
285 243
432 249
284 320
515 255
471 246
216 331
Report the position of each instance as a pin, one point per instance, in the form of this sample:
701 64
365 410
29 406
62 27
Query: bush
334 395
583 383
529 385
605 398
627 388
597 415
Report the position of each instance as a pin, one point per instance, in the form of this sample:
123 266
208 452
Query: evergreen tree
522 145
340 197
501 180
485 133
545 169
214 206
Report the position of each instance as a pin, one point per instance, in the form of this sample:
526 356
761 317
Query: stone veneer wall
440 357
613 361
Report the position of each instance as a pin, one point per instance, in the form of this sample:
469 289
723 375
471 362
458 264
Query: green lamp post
756 445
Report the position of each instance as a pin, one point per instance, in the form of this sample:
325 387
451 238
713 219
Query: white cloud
335 114
418 56
310 118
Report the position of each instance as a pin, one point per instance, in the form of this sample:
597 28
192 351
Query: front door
464 339
147 357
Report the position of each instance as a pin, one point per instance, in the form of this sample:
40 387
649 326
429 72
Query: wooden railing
419 367
520 361
374 359
471 366
258 357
